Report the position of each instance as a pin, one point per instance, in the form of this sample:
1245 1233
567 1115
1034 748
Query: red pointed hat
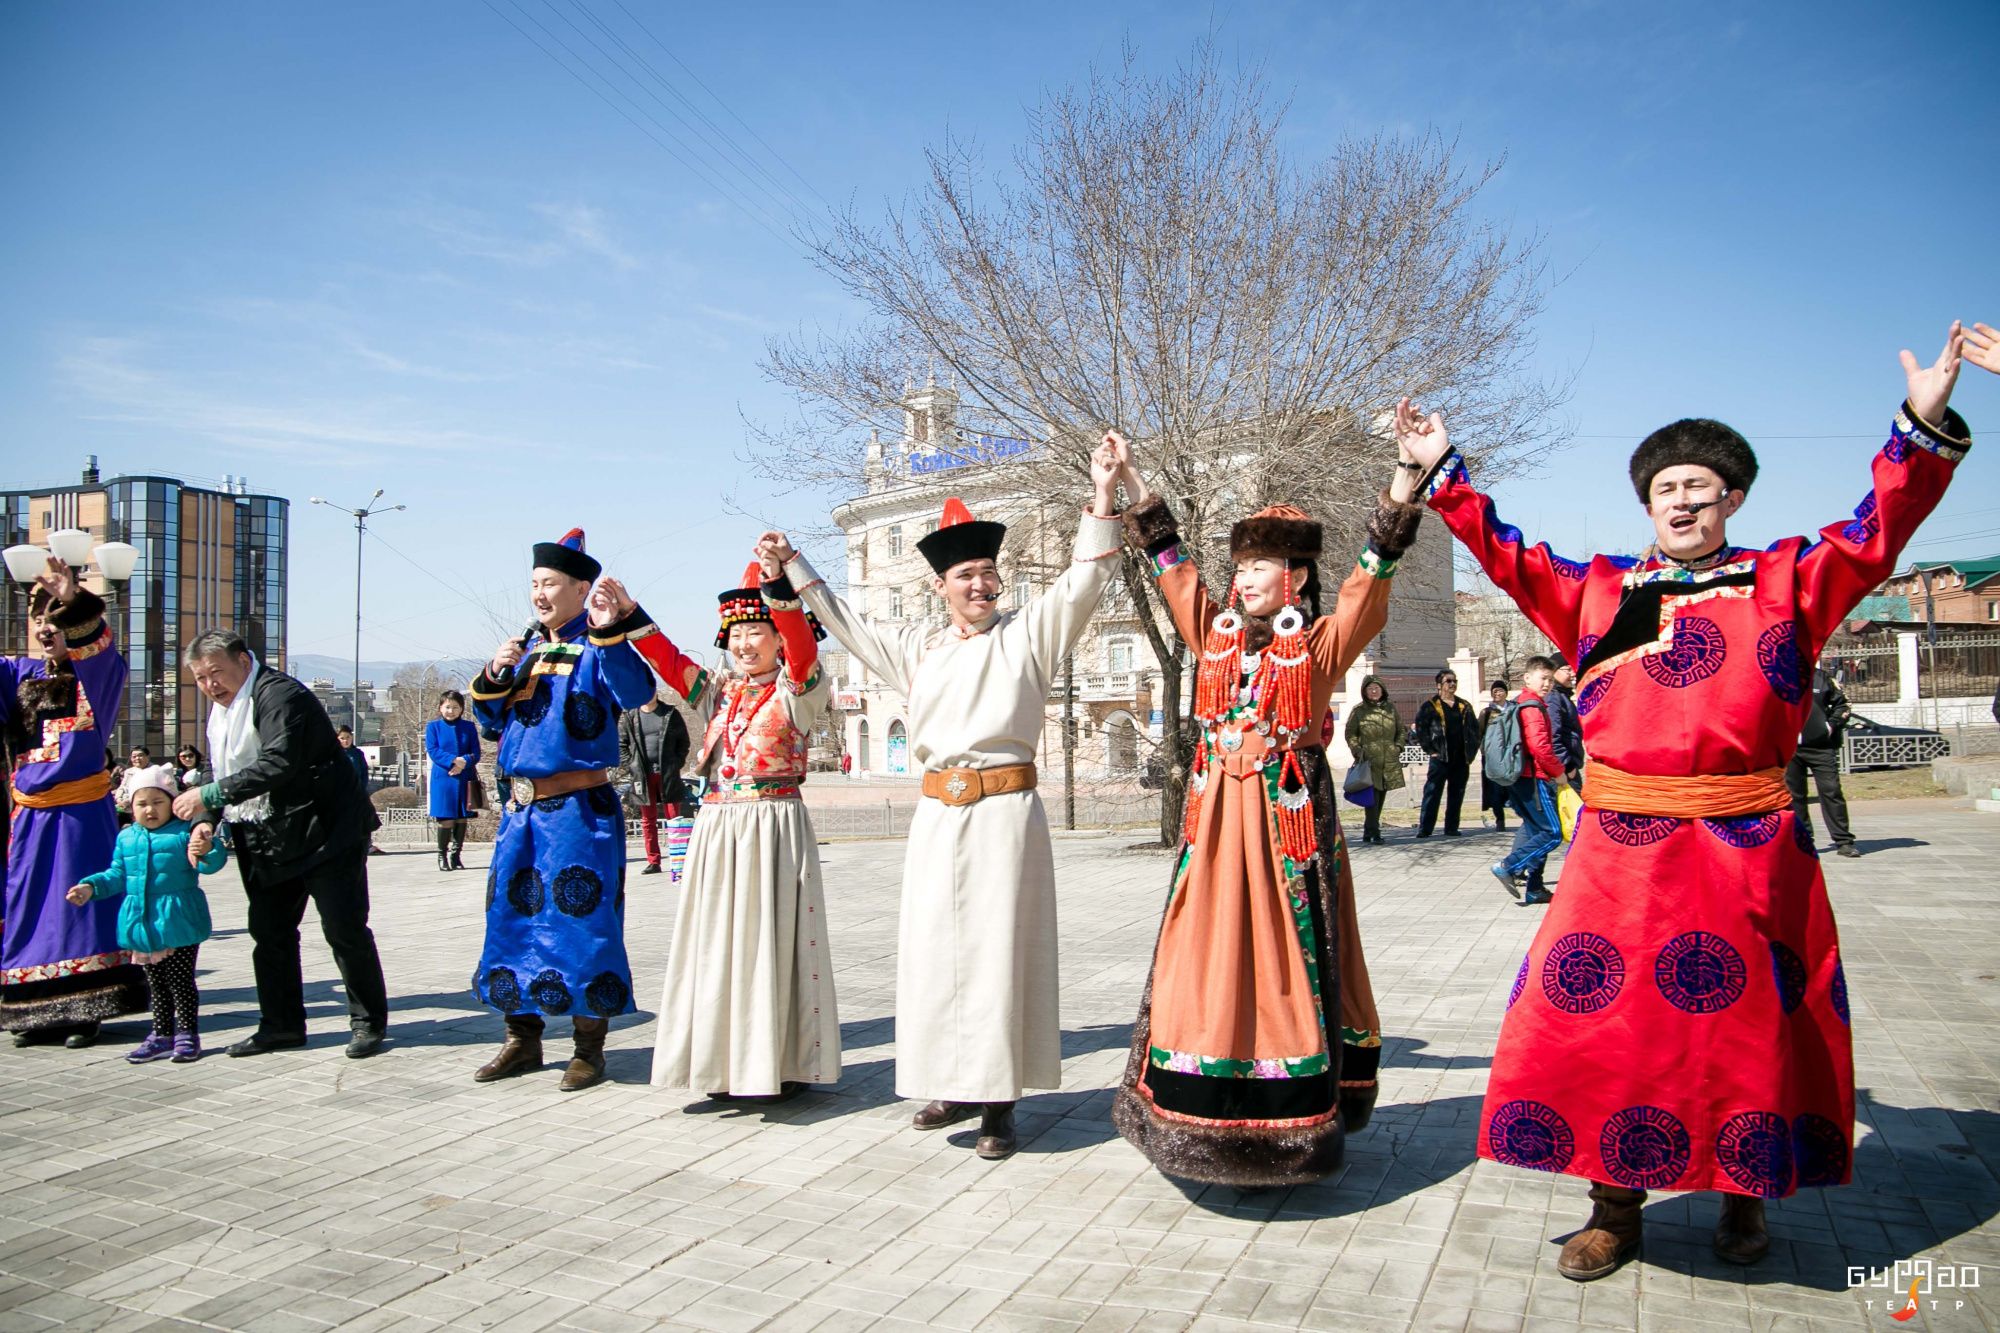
567 557
744 604
961 537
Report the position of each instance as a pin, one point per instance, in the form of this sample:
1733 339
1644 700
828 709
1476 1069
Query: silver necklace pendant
1230 739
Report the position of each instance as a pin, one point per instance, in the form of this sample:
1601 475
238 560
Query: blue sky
335 247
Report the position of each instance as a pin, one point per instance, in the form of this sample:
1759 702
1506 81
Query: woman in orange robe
1257 1036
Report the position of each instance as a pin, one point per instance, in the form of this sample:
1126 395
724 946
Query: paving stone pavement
301 1190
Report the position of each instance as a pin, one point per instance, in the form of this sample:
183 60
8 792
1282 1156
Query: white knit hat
159 775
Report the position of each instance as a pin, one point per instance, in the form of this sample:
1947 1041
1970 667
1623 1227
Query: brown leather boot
1740 1237
941 1113
586 1066
996 1132
1607 1238
520 1054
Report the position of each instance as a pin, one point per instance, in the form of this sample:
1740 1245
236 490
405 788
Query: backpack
1503 752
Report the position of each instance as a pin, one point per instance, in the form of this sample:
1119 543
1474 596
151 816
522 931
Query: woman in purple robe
61 970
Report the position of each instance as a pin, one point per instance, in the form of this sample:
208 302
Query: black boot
996 1132
458 845
444 847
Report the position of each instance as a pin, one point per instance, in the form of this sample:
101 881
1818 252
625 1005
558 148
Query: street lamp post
115 561
361 517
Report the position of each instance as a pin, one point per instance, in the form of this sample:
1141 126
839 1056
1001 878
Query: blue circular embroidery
503 989
583 716
578 890
1524 1133
1840 991
531 710
1584 644
601 799
1593 691
548 805
1784 666
1696 654
548 991
1635 830
1567 568
1821 1151
1802 838
1699 972
1582 973
1790 971
1745 832
1644 1147
1755 1148
606 994
524 891
1866 521
1520 984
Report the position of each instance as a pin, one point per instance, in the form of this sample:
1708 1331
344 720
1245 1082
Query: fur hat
961 537
1697 441
567 557
1276 532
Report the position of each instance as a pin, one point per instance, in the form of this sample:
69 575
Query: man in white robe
976 986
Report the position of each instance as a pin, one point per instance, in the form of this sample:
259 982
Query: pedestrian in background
1565 724
653 748
1492 795
1375 737
1534 792
452 742
1447 731
1819 754
194 770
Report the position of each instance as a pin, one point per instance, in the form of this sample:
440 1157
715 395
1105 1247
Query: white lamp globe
117 560
25 563
71 546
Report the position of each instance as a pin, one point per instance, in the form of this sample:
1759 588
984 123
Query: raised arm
1362 606
1153 531
890 656
615 621
78 613
1910 473
1055 620
1547 588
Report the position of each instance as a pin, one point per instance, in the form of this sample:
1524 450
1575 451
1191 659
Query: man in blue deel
555 898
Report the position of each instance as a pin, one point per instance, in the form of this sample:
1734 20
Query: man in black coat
1448 730
653 747
300 824
1819 754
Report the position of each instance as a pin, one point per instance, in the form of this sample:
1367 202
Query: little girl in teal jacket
156 865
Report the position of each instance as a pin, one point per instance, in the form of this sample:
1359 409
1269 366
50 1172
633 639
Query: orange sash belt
78 791
1721 796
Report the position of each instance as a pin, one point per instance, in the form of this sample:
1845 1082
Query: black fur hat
1701 442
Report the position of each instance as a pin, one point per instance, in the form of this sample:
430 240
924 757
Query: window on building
1118 654
1993 610
895 604
896 541
930 526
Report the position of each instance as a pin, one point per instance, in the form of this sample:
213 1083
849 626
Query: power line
774 189
775 155
753 214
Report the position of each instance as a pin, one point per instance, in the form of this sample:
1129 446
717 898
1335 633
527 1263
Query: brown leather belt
526 791
967 786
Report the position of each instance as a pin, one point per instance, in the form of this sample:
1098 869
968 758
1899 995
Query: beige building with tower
1115 677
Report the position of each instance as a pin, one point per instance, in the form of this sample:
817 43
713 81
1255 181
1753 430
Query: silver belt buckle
523 791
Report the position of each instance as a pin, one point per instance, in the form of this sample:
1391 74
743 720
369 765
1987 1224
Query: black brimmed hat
961 537
567 557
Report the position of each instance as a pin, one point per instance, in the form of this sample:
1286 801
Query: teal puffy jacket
164 906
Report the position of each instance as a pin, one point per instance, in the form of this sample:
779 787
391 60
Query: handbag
1569 806
1359 776
475 792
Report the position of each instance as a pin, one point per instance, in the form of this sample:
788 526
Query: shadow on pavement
1869 846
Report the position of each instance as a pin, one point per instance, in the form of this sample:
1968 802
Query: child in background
164 918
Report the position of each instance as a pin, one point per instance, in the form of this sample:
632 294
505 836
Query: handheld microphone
506 677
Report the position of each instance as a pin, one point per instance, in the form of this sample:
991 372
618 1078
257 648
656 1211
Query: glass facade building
208 559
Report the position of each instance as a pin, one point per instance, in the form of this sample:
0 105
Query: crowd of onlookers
1529 741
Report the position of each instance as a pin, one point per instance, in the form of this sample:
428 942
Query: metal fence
1865 668
1958 666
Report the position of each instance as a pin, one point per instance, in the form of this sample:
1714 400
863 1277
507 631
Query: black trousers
1824 765
339 890
1446 780
176 1002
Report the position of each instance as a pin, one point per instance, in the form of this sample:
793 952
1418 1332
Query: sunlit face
188 758
151 807
1448 688
141 759
971 589
1537 680
556 597
1260 583
48 638
753 648
1675 490
450 709
1373 692
1497 692
1564 676
221 676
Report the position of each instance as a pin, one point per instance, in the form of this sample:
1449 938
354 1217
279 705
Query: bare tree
1157 262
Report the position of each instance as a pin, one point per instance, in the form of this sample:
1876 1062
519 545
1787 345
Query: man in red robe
1681 1020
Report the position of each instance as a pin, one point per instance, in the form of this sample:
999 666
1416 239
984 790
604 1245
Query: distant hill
340 670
